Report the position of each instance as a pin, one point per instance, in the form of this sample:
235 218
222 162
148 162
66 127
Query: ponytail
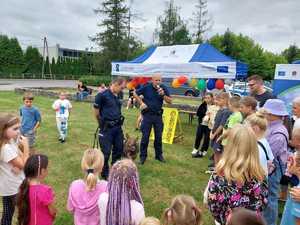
91 165
23 203
91 181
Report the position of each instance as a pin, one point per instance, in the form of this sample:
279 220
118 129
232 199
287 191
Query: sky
274 24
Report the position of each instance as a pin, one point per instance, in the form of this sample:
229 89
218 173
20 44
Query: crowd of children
251 156
251 147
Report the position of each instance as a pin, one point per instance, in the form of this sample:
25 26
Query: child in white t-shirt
62 107
14 151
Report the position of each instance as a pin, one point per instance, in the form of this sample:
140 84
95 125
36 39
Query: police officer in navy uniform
154 94
108 113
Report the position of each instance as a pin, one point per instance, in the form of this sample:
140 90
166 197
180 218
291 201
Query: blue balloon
211 84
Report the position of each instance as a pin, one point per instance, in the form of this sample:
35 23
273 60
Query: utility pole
45 47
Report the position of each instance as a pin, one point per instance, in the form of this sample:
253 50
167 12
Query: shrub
95 80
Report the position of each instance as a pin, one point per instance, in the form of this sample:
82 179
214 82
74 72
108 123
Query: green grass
159 182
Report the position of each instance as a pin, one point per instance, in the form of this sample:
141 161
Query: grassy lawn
159 182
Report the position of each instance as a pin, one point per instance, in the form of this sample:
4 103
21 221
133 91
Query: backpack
284 180
270 164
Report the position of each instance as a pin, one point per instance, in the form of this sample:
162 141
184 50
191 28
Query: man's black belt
148 111
113 123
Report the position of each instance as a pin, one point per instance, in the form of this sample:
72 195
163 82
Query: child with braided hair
122 203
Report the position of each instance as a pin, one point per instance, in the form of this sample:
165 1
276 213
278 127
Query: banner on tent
286 84
287 72
171 121
223 70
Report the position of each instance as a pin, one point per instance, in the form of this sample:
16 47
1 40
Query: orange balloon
130 85
176 83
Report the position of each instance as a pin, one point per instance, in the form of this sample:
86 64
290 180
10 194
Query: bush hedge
95 80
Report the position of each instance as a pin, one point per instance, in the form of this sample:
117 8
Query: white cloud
274 24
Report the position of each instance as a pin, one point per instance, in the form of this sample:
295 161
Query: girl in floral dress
239 181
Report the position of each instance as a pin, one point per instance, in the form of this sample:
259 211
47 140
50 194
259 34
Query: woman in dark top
82 91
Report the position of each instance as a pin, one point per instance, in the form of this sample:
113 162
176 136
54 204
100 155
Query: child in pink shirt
40 209
84 193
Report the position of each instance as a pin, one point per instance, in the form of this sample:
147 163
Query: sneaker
204 153
211 169
195 151
197 155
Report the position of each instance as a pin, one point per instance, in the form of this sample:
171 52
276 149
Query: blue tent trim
142 58
207 53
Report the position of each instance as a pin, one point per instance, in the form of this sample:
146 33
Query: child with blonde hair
150 221
182 211
239 181
245 217
84 193
258 123
12 162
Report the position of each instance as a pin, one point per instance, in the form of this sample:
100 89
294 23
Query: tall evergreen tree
46 68
11 55
172 29
33 60
53 66
4 48
202 21
113 39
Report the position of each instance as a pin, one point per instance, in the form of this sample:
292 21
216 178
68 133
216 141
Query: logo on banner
117 67
222 69
281 73
294 73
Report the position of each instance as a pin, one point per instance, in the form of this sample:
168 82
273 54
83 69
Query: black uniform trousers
111 140
202 131
149 120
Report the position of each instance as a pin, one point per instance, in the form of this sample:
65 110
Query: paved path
8 85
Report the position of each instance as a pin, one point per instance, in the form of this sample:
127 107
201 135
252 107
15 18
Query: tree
172 29
46 68
4 45
53 66
33 60
113 39
202 22
291 53
11 55
243 48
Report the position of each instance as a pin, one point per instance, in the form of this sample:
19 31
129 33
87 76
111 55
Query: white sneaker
204 153
194 151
